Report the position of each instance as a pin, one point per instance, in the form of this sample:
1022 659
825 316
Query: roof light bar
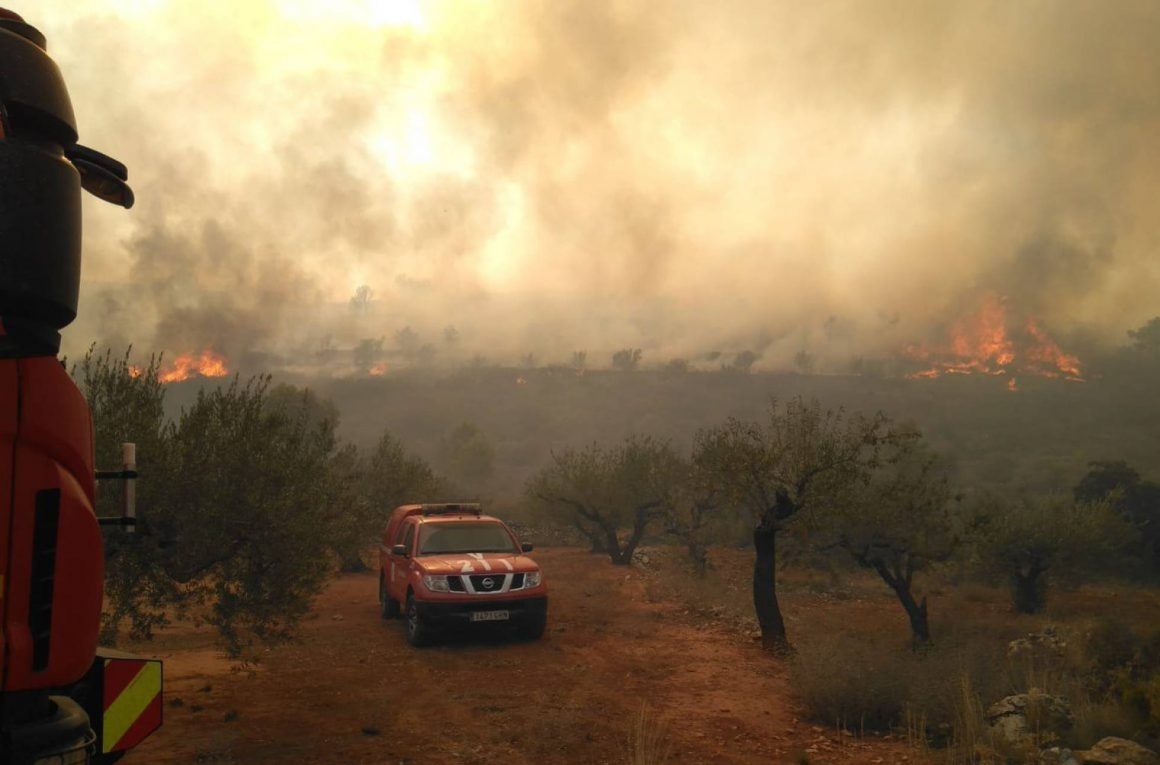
452 508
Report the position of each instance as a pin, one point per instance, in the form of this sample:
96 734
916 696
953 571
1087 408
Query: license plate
489 616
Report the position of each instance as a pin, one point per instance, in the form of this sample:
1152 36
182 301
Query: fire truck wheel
388 607
418 632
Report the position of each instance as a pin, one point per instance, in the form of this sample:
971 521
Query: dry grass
868 687
853 667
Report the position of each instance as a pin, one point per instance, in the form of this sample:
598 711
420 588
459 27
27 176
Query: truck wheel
534 628
418 633
388 607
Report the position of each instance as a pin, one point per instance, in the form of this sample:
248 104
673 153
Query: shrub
1110 645
851 685
1097 719
880 688
1115 684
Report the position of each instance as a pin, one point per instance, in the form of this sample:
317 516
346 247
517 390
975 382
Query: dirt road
350 690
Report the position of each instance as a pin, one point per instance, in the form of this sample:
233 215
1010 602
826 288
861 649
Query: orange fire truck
62 699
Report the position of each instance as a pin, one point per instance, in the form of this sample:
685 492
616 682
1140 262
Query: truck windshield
441 539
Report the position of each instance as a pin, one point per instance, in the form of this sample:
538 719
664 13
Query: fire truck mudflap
122 695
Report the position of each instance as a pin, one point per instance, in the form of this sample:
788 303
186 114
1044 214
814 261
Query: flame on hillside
991 342
205 364
378 370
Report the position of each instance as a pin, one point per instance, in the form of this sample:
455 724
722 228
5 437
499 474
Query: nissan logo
488 583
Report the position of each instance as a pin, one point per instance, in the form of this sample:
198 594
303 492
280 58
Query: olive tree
611 495
467 457
1037 540
246 522
353 521
899 524
394 476
236 504
1135 499
802 458
128 405
694 509
365 488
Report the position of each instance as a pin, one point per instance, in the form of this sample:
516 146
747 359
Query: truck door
401 564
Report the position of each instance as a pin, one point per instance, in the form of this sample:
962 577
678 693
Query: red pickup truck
449 565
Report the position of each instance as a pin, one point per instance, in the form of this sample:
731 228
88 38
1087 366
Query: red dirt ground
350 690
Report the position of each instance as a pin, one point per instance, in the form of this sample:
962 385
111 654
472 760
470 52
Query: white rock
1118 751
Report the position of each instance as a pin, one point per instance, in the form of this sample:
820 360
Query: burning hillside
208 363
205 364
993 341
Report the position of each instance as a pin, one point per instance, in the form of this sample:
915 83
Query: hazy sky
839 177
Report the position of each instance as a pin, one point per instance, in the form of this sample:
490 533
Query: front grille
478 582
517 581
455 584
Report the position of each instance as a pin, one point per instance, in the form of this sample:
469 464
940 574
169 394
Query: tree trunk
638 529
614 551
1029 591
630 548
352 563
919 624
699 555
773 636
593 537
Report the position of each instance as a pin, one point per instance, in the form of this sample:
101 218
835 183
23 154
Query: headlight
436 583
532 579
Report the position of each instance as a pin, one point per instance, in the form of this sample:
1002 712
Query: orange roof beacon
449 566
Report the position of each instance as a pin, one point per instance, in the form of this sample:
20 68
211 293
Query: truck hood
477 563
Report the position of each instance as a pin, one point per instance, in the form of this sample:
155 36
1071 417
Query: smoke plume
834 178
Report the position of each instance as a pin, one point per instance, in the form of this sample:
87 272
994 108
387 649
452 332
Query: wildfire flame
983 343
135 371
378 370
1048 356
205 364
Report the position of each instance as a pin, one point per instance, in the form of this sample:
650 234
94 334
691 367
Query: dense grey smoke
834 178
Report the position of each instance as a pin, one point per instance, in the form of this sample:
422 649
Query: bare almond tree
612 495
802 458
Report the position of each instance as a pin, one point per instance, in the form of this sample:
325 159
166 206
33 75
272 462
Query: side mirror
101 175
399 550
525 547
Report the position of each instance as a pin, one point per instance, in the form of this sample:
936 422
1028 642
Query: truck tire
534 628
388 607
418 632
